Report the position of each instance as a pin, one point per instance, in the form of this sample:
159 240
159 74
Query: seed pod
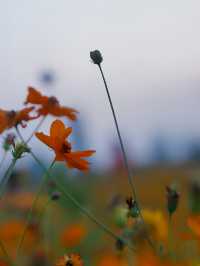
132 207
9 141
120 244
96 57
172 200
121 216
19 150
55 195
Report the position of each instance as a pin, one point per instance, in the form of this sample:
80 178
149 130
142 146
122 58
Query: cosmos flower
70 260
111 260
72 235
49 105
193 223
9 119
62 147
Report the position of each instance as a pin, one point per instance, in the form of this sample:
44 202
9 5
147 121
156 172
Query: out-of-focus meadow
57 227
83 184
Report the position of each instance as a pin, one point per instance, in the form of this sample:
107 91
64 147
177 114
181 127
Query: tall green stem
68 196
30 214
36 129
7 257
6 176
3 158
125 157
77 204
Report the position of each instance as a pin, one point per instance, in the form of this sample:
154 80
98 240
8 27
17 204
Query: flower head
62 147
72 235
70 260
96 57
132 207
49 105
172 200
9 119
193 223
9 141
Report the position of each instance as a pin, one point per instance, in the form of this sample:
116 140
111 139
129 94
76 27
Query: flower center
66 147
53 100
11 114
69 263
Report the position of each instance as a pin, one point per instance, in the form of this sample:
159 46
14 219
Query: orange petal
68 131
64 111
85 153
35 97
76 162
45 139
57 129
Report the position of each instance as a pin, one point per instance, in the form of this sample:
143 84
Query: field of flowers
149 217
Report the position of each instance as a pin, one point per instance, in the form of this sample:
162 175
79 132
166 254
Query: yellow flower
156 223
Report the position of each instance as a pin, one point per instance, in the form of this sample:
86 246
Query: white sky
151 55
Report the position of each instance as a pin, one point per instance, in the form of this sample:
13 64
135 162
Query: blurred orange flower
70 260
22 201
146 259
112 260
2 263
73 235
9 119
62 148
193 223
11 230
49 105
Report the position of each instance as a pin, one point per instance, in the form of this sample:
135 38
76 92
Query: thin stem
3 158
8 259
170 238
29 217
125 157
6 176
36 129
86 212
48 202
76 203
130 179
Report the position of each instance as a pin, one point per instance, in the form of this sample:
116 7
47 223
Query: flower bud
9 141
55 195
19 150
121 216
120 244
172 200
96 57
132 207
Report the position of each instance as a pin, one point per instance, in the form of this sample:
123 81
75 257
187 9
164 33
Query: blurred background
151 61
151 52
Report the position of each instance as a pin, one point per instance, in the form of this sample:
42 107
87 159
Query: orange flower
72 235
62 148
70 260
2 263
193 223
11 230
49 105
112 260
9 119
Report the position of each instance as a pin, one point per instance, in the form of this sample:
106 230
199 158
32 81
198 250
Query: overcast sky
151 53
